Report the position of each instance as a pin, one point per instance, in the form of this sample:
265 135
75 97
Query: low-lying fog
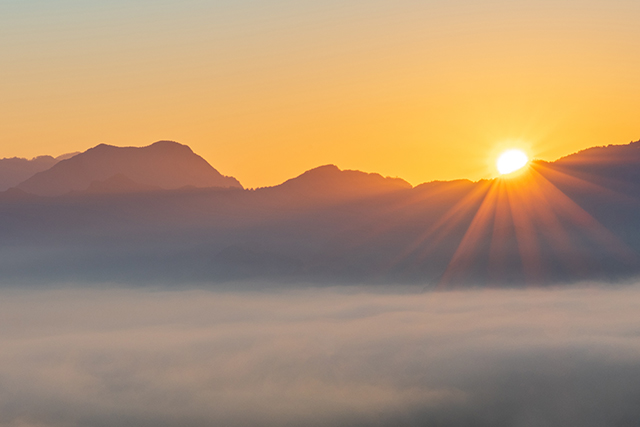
320 357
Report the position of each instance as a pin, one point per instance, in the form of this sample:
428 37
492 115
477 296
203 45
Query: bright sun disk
511 161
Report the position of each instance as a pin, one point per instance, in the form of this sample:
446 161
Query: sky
264 90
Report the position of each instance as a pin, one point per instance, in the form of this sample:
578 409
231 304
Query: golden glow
511 161
267 90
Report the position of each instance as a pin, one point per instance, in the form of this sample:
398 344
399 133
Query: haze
340 357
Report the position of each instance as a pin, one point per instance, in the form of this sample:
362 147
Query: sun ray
428 242
552 230
466 253
547 226
580 217
525 232
586 185
501 237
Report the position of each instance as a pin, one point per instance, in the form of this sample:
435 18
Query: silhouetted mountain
15 170
613 166
565 221
329 184
601 159
329 181
119 183
165 164
16 195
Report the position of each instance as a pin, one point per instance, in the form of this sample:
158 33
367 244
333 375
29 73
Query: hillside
164 164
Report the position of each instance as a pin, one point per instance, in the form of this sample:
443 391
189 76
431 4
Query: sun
511 161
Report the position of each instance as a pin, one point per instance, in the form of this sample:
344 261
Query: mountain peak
164 164
330 181
170 145
163 145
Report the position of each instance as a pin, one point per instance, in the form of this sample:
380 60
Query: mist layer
71 357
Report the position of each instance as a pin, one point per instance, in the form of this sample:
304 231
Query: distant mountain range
161 214
15 170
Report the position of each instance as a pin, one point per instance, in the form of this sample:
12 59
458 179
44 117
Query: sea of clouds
318 357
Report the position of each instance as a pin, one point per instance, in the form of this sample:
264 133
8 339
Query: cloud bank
317 357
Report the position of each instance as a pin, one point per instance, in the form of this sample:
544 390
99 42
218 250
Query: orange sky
265 90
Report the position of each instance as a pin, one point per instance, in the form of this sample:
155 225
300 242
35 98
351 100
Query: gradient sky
265 90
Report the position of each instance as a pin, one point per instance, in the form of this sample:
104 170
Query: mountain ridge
164 164
321 181
14 170
552 224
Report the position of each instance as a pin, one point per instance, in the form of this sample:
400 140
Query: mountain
164 164
612 166
118 184
571 220
330 179
329 183
15 170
